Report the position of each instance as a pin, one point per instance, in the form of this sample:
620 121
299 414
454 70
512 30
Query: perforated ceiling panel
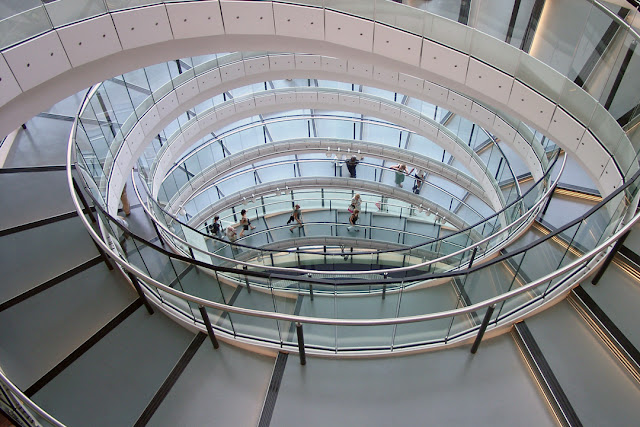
89 40
195 19
37 60
564 128
444 61
536 108
298 21
489 81
354 32
143 26
242 17
397 44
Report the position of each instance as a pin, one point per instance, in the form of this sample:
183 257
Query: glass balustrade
257 304
325 215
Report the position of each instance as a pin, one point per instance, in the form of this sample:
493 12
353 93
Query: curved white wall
35 74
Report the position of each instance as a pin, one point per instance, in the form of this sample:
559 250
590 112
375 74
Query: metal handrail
363 322
518 222
28 402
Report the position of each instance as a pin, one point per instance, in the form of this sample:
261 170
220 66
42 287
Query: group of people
401 173
296 216
215 228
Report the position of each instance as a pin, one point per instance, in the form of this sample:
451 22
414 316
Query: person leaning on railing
401 172
352 220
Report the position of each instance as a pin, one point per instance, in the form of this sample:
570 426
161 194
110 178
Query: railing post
155 227
384 286
303 356
547 203
191 253
483 327
473 256
310 287
246 279
138 288
607 261
207 322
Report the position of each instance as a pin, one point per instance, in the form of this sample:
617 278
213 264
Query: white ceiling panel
428 129
397 44
169 103
410 82
191 131
208 120
195 19
328 98
383 75
410 118
370 104
209 79
143 26
460 102
232 71
348 31
37 60
187 90
244 105
610 178
528 103
256 65
281 62
565 130
390 110
285 98
9 87
489 81
247 17
591 154
264 100
360 69
443 61
89 40
334 64
226 111
308 62
307 97
349 100
435 92
299 21
501 127
481 115
149 120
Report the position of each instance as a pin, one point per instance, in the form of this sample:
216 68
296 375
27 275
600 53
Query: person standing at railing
215 227
351 166
417 186
296 216
353 219
356 203
401 172
245 223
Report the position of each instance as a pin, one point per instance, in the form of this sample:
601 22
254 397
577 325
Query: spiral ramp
79 341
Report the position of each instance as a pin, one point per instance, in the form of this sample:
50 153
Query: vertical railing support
547 203
191 253
155 227
384 286
303 356
138 288
483 327
310 287
207 322
473 256
607 261
246 279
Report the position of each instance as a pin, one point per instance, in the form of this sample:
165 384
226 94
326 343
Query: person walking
356 203
353 219
351 166
417 186
296 216
244 222
401 172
